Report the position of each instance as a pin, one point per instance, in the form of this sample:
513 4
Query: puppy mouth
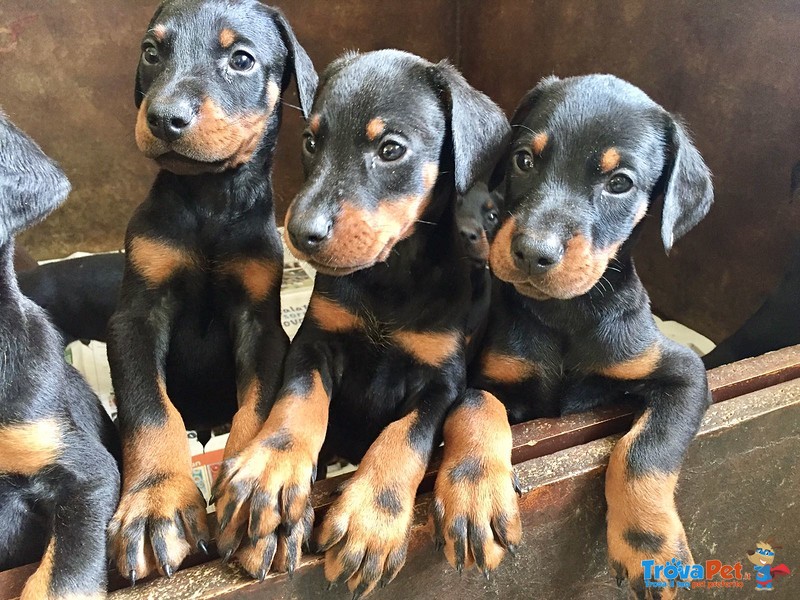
184 165
326 268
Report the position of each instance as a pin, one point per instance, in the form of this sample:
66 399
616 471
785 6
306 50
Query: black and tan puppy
570 323
51 424
197 335
379 358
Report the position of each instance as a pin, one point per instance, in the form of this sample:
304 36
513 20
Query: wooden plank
563 511
537 439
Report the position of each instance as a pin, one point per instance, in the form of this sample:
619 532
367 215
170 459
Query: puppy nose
308 235
470 235
169 121
537 255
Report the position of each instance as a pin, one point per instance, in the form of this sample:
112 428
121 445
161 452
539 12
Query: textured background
731 69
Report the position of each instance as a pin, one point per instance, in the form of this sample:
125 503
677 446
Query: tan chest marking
504 368
332 316
27 448
430 348
156 261
258 276
637 367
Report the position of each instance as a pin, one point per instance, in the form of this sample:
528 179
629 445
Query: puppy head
383 127
209 81
31 185
478 219
588 156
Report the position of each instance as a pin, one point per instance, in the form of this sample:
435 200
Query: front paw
263 505
657 537
160 520
476 513
365 535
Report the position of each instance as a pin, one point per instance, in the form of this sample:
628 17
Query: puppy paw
263 506
475 512
159 521
365 534
657 537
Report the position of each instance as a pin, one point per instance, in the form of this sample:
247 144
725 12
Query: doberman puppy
570 325
478 219
379 357
51 424
79 294
197 335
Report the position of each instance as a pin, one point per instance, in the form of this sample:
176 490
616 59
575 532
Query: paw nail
619 581
203 547
212 499
331 585
168 571
512 550
262 574
227 556
132 577
486 574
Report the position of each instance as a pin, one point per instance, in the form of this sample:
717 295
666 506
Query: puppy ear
688 191
524 107
478 127
304 74
31 184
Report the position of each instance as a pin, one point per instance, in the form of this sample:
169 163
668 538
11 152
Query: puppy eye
523 160
390 151
150 55
491 217
619 184
309 143
241 61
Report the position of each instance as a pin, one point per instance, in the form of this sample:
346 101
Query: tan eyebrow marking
539 141
609 160
313 123
375 128
226 38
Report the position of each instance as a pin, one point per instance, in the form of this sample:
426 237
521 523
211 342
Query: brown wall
732 69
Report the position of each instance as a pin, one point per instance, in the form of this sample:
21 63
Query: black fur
199 329
62 501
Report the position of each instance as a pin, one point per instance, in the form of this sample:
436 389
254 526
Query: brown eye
390 151
241 61
619 184
150 55
309 143
523 160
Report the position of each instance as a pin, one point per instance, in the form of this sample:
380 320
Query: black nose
470 235
169 121
308 234
536 255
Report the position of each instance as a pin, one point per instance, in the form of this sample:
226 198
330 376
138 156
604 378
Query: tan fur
504 368
258 276
539 142
481 433
27 448
579 270
644 503
609 160
226 38
332 316
246 422
313 123
38 585
375 129
430 348
228 141
390 463
637 367
157 261
159 32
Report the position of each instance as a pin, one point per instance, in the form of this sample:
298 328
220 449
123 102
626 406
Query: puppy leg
74 563
365 533
263 491
643 523
475 511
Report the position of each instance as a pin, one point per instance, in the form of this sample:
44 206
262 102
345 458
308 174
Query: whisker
524 127
291 105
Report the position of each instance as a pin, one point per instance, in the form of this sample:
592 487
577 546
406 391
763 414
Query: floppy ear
304 74
478 127
520 113
688 192
31 185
